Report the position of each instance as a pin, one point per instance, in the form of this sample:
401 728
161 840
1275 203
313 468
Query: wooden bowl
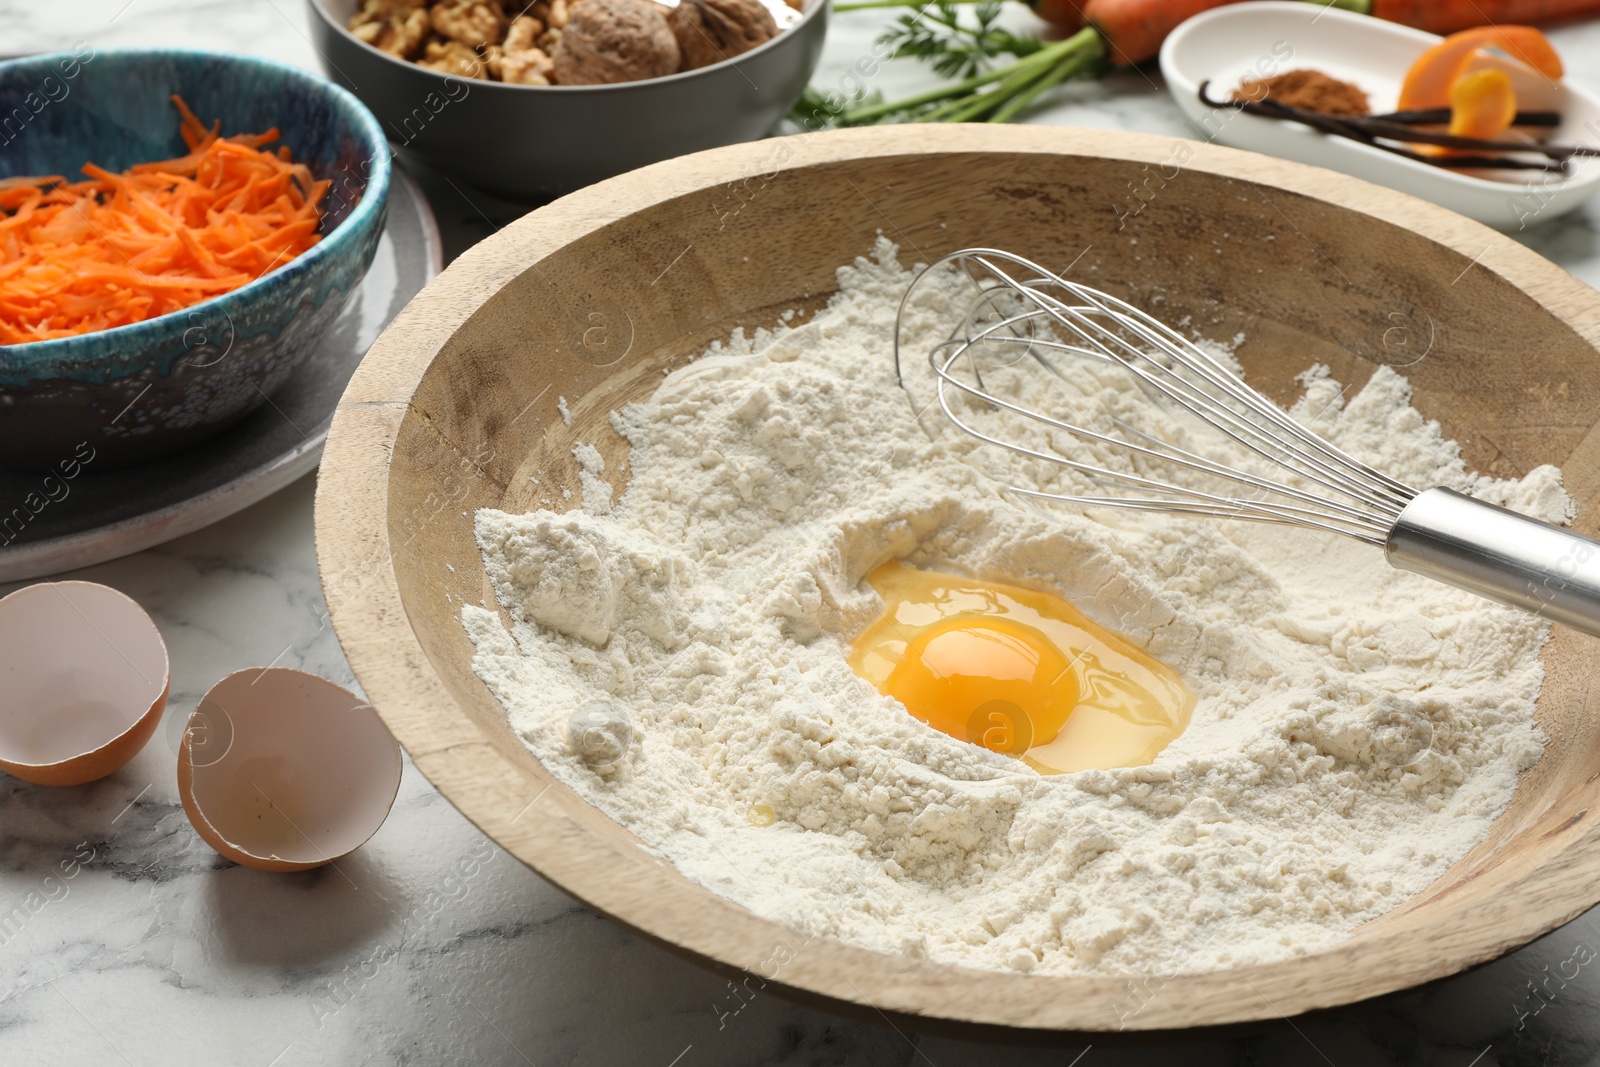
591 297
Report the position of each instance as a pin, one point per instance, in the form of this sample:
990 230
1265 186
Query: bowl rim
39 358
356 561
320 10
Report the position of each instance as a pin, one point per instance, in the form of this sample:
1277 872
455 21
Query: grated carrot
76 257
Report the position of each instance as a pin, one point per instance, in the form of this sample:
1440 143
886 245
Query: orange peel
1482 104
1429 82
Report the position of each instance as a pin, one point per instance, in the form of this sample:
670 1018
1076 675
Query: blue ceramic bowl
152 388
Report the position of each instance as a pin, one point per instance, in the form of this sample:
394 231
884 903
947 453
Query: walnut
397 27
610 41
547 38
522 34
377 12
528 67
453 57
519 61
709 31
560 14
474 23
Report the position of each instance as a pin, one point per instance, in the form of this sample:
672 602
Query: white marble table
432 946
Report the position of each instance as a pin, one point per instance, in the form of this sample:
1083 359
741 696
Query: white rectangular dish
1227 45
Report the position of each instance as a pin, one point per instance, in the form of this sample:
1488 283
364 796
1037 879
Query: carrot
1064 16
1134 29
1448 16
114 249
1427 84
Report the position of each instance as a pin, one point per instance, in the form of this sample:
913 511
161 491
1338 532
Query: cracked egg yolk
1017 671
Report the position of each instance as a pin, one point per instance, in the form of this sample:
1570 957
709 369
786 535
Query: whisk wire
1337 471
1204 407
1208 503
1051 316
1371 534
1158 449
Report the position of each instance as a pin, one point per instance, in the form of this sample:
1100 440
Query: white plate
1228 44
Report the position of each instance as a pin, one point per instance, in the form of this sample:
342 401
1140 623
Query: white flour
714 600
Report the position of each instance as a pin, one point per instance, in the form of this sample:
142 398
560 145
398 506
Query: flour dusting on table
713 602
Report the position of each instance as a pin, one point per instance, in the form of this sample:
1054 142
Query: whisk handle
1500 555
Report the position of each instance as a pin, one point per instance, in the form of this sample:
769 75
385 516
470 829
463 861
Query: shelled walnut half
474 23
453 57
520 60
395 26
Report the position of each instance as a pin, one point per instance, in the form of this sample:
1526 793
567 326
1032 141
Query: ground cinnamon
1311 90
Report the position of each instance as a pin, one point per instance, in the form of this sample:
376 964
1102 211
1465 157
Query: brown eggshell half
284 771
84 676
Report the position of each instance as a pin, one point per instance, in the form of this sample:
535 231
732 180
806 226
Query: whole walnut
608 41
709 31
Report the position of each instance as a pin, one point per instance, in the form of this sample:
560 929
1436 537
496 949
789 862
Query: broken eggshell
284 771
85 676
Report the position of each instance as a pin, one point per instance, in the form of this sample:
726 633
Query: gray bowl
531 143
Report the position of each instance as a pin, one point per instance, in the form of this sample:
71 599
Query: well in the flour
1017 671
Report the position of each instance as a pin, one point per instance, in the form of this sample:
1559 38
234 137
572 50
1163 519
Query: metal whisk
1026 315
